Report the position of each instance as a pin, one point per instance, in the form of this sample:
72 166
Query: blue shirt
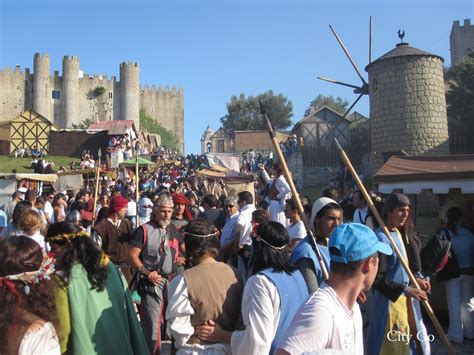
463 245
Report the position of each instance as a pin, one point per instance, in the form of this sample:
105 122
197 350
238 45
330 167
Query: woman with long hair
271 296
28 317
97 314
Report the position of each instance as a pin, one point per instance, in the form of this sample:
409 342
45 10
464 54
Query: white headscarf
317 206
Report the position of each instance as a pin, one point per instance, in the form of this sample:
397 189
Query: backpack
436 253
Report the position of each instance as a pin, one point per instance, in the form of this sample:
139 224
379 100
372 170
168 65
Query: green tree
339 104
243 113
460 95
98 91
168 138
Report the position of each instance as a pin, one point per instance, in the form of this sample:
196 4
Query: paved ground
437 347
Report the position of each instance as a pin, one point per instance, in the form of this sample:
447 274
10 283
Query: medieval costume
159 252
113 236
206 291
397 315
98 322
278 193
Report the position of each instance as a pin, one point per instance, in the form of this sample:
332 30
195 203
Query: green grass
22 165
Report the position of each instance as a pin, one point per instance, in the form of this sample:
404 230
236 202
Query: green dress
102 322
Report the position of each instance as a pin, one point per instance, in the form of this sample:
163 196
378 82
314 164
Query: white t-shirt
324 322
48 209
296 231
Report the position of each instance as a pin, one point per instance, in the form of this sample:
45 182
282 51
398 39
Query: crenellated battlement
70 59
64 96
17 73
41 56
129 65
466 24
153 92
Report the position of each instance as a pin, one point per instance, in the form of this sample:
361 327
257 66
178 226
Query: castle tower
130 92
42 85
70 92
407 104
461 40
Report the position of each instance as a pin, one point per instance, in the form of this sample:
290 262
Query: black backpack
436 253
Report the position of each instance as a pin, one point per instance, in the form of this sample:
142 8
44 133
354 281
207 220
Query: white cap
22 190
317 206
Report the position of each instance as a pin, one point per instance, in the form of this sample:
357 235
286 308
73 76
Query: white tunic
296 231
261 315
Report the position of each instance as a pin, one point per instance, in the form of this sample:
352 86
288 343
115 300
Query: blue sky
216 49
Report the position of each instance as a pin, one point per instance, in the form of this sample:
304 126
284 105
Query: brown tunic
215 292
115 240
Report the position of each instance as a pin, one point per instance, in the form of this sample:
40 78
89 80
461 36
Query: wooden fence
321 156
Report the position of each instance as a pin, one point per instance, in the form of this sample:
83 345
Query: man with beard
154 252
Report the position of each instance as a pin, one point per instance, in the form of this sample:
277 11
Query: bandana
117 203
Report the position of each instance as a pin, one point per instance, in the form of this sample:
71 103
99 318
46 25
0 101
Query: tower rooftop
403 50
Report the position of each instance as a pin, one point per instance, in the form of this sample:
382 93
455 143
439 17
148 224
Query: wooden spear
294 193
96 192
137 192
402 259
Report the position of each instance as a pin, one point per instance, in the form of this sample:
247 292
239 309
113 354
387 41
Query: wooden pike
403 261
294 193
96 192
137 192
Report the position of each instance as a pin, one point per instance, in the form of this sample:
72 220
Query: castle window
110 95
56 94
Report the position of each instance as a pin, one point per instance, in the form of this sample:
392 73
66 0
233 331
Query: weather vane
401 34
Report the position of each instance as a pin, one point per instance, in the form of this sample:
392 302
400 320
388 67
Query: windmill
362 89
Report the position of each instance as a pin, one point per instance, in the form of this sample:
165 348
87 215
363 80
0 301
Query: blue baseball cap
355 242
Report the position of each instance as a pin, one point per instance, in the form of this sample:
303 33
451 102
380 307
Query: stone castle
75 96
461 40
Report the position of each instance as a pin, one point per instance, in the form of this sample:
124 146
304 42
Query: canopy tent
37 177
226 160
438 173
141 162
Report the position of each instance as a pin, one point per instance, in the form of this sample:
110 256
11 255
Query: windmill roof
403 50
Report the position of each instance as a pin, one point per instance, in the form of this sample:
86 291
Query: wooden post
294 192
403 261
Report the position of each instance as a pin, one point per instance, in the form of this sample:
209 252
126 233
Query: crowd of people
217 271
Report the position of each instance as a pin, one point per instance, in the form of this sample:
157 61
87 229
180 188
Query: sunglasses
229 206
